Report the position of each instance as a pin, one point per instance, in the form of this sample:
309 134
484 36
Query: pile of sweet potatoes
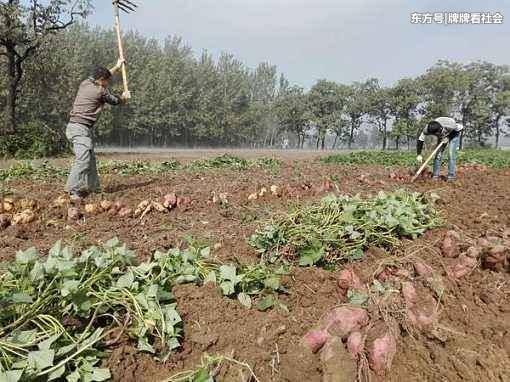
122 210
348 330
465 254
17 212
354 334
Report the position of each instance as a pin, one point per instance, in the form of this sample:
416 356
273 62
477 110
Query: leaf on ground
266 303
40 359
57 373
26 257
11 375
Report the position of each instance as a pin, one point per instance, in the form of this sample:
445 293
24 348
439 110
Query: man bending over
447 132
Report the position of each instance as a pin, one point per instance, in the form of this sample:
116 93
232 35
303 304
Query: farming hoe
420 170
126 6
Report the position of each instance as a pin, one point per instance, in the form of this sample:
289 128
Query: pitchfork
126 6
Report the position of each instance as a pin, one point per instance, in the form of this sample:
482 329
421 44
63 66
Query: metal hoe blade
125 5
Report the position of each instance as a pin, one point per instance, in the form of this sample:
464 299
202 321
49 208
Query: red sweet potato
422 269
355 344
348 279
449 247
315 339
125 212
409 293
461 266
342 321
382 347
170 200
421 307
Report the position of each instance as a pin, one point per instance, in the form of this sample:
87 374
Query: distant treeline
184 99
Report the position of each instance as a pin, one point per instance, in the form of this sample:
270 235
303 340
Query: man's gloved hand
125 96
419 159
445 140
120 62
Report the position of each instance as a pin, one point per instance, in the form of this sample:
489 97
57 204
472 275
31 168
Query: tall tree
380 110
405 102
24 26
325 106
291 109
356 106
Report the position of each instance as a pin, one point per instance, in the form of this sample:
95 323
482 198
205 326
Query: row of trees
475 94
180 98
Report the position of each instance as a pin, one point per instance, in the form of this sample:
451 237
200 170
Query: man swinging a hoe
448 133
92 95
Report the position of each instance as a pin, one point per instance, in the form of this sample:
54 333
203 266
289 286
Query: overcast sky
341 40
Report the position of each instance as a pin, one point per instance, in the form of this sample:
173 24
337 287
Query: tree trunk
351 134
497 132
334 143
397 142
323 143
385 135
10 126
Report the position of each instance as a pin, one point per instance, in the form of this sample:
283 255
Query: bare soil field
470 340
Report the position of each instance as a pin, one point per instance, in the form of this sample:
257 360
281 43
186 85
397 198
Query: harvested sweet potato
27 204
142 206
337 363
253 196
348 279
449 247
421 307
118 205
342 321
409 293
159 207
61 201
382 347
8 205
461 266
422 269
106 205
91 209
170 200
73 213
355 344
5 221
315 339
125 212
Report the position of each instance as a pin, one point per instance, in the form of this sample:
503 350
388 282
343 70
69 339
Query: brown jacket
89 102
